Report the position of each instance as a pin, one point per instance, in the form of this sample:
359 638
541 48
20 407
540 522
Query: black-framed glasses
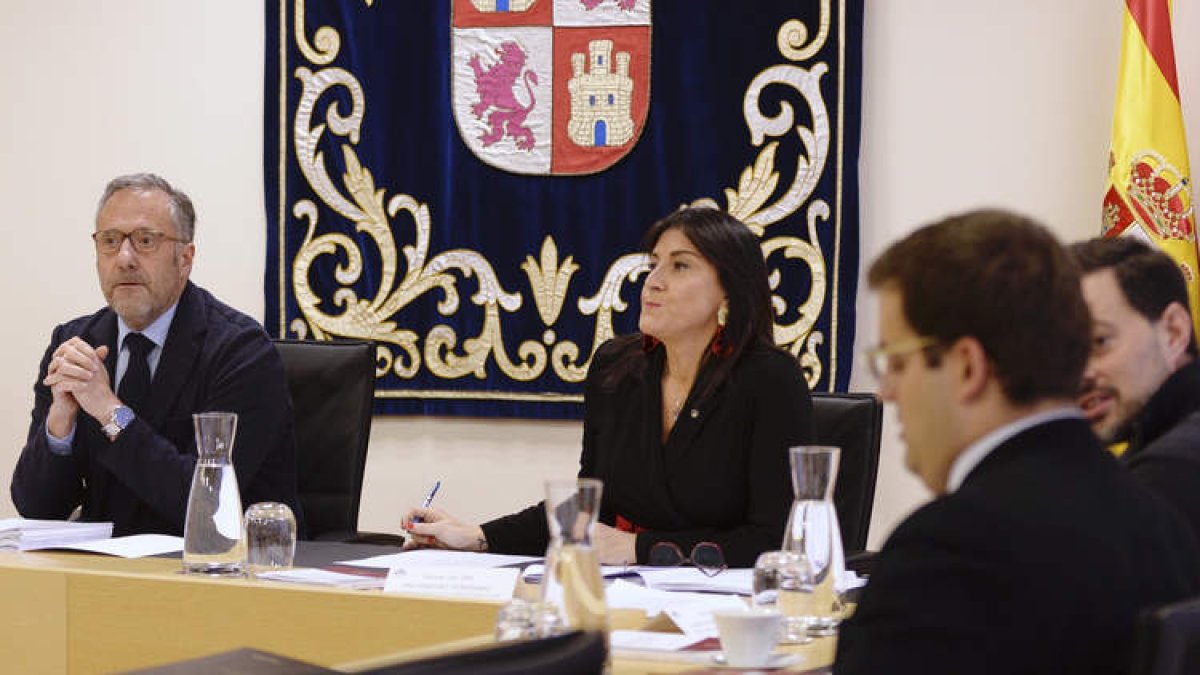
144 240
883 359
706 556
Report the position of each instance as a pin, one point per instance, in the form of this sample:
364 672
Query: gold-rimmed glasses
883 359
144 240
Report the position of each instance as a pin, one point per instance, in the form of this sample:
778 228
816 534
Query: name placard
459 583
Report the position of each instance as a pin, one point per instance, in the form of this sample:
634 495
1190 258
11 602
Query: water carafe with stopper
573 583
214 541
813 531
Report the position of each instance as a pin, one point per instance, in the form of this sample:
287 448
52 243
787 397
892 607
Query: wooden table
79 613
818 654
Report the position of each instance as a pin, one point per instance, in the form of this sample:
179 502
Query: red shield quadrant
550 87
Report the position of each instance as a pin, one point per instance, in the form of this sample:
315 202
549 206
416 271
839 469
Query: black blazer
722 475
1039 563
1164 446
215 359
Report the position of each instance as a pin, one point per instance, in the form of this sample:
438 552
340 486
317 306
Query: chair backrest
852 422
577 653
332 385
1168 640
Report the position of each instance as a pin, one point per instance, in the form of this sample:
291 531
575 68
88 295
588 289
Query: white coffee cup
747 635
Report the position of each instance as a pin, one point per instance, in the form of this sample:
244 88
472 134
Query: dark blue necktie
135 385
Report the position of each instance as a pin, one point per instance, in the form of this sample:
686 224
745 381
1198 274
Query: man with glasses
112 419
1142 383
1038 549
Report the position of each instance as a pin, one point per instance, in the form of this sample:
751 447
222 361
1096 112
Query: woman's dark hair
733 250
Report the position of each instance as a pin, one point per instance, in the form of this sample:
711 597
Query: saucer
776 660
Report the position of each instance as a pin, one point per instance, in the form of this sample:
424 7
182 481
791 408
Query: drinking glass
525 619
783 581
270 536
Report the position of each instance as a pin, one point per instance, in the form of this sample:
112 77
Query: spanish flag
1149 183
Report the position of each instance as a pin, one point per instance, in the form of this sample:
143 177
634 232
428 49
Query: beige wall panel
989 102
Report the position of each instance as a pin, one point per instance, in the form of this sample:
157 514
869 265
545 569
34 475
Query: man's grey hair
180 205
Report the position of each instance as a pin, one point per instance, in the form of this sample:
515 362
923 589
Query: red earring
649 342
719 345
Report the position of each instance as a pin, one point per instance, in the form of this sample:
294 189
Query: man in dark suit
1038 550
125 452
1142 383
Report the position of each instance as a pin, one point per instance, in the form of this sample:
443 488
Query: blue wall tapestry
466 182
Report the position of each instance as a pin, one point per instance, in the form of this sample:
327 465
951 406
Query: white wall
991 102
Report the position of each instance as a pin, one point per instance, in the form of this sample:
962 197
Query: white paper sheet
460 583
739 580
23 534
428 557
534 573
649 640
850 579
308 575
622 594
7 524
695 621
132 546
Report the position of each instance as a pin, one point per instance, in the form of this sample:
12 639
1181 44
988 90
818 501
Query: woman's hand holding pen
433 528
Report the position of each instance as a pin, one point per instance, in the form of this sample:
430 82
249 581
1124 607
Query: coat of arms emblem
550 86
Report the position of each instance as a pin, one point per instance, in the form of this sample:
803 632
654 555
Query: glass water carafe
573 583
813 530
214 541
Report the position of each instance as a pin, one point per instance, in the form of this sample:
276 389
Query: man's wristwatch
120 418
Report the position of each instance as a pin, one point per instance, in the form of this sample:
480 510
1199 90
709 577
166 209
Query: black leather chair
332 385
854 423
577 653
1168 640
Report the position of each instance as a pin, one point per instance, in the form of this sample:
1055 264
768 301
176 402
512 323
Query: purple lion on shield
497 87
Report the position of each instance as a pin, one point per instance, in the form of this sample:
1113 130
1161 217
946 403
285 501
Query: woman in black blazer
688 423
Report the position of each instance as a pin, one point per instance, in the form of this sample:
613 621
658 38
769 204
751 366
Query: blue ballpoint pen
428 499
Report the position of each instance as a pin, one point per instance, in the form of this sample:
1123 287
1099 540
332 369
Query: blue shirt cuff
60 446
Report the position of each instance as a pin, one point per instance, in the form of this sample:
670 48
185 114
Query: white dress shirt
976 452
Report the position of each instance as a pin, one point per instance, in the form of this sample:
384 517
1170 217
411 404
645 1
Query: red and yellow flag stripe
1149 185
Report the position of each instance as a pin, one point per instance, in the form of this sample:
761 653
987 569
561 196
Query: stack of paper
23 534
533 573
624 595
306 575
430 557
737 581
130 546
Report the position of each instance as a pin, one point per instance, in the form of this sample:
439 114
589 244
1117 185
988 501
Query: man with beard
113 402
1038 550
1142 383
